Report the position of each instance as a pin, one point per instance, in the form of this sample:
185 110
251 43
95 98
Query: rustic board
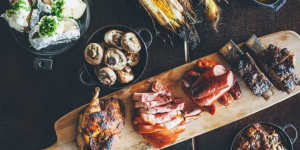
248 104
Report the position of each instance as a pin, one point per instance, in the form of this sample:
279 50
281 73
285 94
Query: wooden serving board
248 104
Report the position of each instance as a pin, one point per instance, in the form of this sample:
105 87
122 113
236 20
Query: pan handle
278 4
40 63
149 36
294 130
85 77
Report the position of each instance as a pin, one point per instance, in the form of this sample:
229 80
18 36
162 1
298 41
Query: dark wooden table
32 101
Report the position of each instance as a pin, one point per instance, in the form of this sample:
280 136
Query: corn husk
181 16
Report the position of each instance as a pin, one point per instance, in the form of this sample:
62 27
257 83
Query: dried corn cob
212 11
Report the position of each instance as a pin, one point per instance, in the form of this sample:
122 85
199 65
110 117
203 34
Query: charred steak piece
99 124
246 67
279 64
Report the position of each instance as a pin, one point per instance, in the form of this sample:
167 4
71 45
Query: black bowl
86 72
43 59
287 141
274 4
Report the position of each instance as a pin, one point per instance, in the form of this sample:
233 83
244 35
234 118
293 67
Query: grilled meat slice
159 117
214 90
99 124
244 64
177 105
160 100
207 83
144 127
213 85
279 64
235 91
162 138
148 97
157 87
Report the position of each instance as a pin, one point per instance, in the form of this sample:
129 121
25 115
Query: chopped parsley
15 7
57 8
48 26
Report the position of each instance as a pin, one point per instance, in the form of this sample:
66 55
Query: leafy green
48 26
57 8
15 7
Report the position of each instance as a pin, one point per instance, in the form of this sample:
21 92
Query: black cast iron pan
43 59
286 139
86 72
273 4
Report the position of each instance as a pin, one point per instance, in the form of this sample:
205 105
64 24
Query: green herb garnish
57 8
48 26
15 7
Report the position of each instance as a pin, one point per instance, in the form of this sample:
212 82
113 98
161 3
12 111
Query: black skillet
273 4
43 59
286 139
86 72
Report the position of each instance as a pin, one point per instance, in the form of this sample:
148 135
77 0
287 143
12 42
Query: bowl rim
277 127
265 4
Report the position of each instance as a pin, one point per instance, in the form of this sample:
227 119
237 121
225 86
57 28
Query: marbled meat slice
160 100
159 117
178 105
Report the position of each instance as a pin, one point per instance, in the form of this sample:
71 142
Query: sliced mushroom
131 43
93 54
106 76
115 59
125 75
113 37
133 59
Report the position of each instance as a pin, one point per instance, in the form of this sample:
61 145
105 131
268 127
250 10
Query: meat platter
248 103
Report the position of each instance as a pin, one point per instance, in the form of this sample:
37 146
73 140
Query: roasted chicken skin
99 124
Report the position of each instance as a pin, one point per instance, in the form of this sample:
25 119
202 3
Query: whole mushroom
125 75
115 59
133 59
113 37
131 43
93 54
106 76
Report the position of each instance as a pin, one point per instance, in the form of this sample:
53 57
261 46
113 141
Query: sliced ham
160 117
161 100
146 97
164 108
157 87
165 137
148 128
174 122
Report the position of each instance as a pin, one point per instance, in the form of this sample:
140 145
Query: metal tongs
187 59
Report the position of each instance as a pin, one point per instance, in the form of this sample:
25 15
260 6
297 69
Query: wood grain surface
245 106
